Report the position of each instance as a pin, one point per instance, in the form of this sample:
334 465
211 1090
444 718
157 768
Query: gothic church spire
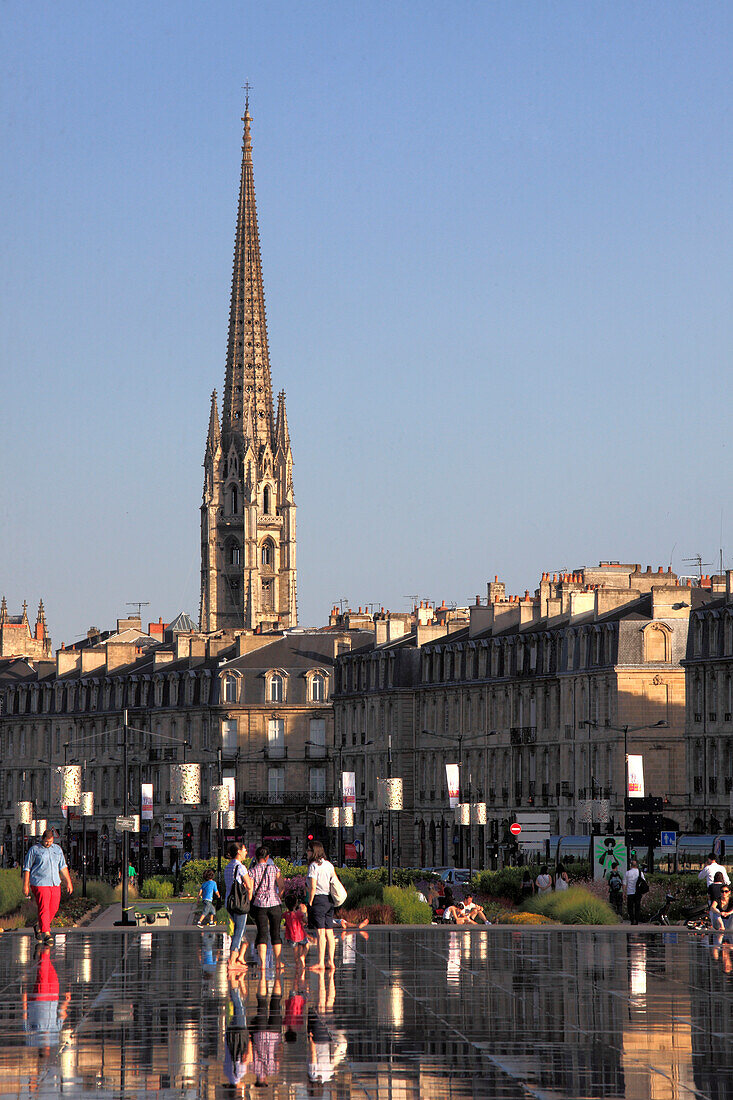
248 358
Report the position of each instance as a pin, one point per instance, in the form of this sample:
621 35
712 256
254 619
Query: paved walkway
182 918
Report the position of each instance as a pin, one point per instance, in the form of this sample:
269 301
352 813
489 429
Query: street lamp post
458 740
626 730
389 813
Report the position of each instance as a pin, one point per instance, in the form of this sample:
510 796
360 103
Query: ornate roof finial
246 119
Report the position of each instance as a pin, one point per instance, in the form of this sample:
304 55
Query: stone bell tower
248 510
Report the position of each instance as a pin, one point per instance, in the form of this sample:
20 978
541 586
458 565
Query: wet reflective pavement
413 1013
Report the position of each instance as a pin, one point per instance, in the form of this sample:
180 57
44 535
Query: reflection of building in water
710 979
658 1028
549 1013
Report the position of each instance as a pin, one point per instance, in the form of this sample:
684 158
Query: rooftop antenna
343 602
139 604
697 560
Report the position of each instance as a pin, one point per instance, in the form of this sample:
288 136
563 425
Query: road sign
669 840
515 828
173 830
126 824
535 830
358 845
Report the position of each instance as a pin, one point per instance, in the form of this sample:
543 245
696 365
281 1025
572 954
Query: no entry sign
515 828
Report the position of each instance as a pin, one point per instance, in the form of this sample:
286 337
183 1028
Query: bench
147 916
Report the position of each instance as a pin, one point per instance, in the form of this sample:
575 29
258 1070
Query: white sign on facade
453 782
230 782
146 801
348 788
635 770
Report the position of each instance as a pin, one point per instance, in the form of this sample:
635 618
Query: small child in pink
296 920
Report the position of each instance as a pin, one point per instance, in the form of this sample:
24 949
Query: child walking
296 920
207 893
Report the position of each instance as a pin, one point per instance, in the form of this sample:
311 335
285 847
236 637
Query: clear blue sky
498 255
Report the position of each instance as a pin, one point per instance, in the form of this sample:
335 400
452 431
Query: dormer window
276 688
318 688
231 688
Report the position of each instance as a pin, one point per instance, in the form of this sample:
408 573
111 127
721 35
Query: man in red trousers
43 870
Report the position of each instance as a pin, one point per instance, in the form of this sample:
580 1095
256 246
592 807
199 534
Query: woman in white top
561 879
320 906
543 882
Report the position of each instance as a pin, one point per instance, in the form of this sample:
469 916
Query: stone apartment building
709 710
533 696
258 703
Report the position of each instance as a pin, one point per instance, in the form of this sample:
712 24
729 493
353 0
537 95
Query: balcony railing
287 798
523 735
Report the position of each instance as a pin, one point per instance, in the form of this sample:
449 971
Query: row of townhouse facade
254 707
709 713
535 698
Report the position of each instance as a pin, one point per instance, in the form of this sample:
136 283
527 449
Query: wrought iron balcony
287 798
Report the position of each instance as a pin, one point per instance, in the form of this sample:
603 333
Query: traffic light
310 836
644 821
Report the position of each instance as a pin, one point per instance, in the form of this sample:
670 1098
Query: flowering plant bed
507 916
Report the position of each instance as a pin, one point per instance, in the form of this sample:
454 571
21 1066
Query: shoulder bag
642 886
337 890
238 899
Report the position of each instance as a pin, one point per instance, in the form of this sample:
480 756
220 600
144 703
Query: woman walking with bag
238 892
267 908
321 876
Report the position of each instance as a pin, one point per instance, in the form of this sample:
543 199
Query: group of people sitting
446 908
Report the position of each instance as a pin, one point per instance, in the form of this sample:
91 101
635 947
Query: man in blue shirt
43 870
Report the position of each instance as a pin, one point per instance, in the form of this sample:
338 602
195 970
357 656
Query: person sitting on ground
471 912
721 912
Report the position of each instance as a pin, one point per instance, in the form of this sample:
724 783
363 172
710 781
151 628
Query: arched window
266 500
268 554
233 500
231 686
276 688
234 553
318 688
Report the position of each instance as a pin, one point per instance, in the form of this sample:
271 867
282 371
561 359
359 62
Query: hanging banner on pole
348 787
635 768
229 782
146 801
453 782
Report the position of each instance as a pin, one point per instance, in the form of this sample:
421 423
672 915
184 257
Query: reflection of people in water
43 1013
236 1050
295 1009
326 1045
266 1031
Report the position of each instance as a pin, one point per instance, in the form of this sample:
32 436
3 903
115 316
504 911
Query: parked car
455 876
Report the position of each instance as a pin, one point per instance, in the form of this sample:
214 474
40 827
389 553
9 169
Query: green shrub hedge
11 890
573 906
157 888
408 909
499 884
100 892
364 893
